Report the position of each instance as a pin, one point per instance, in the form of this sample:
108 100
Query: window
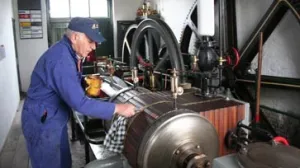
59 9
98 8
81 8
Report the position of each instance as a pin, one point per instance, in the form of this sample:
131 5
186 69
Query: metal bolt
198 146
177 152
243 151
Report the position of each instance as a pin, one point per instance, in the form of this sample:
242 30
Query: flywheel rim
166 34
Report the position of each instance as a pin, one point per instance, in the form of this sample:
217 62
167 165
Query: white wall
9 89
280 52
248 16
123 10
282 49
174 13
29 50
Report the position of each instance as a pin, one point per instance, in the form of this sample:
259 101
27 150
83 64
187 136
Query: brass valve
110 68
134 75
177 90
152 80
221 60
194 61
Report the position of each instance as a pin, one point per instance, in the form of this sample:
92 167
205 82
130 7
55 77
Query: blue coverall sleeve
66 82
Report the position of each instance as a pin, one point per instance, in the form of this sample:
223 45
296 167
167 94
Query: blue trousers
47 143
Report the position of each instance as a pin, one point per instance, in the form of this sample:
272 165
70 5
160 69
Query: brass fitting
177 90
110 68
152 80
134 75
221 60
194 61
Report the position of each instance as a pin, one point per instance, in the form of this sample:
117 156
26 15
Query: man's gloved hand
125 110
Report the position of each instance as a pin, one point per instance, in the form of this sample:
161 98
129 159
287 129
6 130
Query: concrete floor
14 153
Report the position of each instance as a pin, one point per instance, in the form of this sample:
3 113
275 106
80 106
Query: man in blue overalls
55 89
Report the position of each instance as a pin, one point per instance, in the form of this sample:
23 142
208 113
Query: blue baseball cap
88 26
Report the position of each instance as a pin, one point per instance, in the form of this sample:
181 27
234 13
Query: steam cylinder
160 136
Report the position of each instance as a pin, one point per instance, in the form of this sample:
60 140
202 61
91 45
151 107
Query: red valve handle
281 140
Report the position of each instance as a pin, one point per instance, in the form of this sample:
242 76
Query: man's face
82 44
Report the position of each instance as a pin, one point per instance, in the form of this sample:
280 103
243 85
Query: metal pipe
259 76
112 98
116 61
220 76
281 112
270 83
88 66
221 37
160 73
221 26
128 83
111 83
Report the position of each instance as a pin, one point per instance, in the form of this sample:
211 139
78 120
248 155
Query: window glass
98 8
79 8
59 9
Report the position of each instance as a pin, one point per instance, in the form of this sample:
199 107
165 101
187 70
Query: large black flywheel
126 47
154 44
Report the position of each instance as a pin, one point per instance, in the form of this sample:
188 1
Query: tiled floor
14 153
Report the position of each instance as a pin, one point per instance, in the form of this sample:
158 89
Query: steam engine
187 115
